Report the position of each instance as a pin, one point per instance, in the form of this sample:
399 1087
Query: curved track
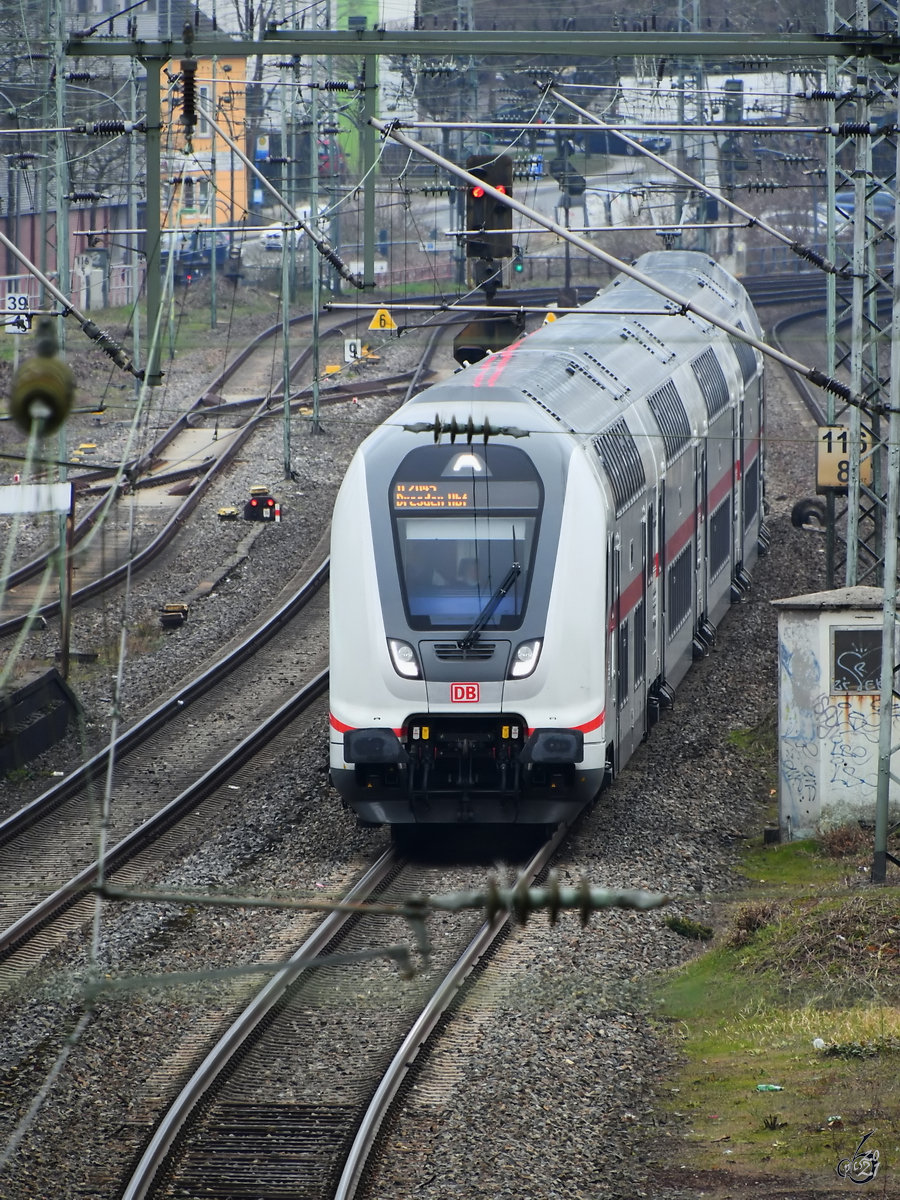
204 472
207 405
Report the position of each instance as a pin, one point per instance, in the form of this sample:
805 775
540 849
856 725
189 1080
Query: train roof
580 368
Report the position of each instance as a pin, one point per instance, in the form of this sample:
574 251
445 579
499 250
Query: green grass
792 867
808 952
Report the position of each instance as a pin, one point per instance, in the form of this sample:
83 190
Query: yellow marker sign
332 369
382 320
833 458
550 317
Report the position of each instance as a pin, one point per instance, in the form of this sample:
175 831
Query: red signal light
253 503
501 188
477 192
270 502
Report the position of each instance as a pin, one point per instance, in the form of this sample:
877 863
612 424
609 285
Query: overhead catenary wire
815 376
805 252
105 342
321 243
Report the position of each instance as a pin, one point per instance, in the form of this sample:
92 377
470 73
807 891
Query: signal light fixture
486 212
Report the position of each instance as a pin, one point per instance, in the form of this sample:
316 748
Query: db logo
465 693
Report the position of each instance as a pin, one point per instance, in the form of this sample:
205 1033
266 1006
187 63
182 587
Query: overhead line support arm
390 129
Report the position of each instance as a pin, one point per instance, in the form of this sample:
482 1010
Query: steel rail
173 526
153 828
177 1115
154 547
425 1025
96 766
805 393
135 467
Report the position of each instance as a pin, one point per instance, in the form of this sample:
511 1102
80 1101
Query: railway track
257 1118
163 767
202 470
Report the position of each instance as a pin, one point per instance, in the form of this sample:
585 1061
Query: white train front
513 603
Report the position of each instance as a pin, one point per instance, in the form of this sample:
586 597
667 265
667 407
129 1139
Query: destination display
471 493
445 493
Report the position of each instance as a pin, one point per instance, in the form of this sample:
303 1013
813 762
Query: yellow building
204 172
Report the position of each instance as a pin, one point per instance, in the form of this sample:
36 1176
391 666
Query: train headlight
404 659
525 659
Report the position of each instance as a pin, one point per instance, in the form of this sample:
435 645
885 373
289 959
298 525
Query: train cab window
465 529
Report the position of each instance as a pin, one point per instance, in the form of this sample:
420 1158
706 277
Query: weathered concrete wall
828 712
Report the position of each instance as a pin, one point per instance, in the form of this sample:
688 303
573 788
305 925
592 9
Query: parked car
273 238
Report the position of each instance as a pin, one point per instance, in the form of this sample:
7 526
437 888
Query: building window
856 660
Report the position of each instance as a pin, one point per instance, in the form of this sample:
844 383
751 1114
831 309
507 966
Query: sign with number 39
833 458
17 317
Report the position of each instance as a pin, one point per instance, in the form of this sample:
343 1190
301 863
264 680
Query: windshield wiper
488 611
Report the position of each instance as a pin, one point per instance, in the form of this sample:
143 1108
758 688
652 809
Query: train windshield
462 518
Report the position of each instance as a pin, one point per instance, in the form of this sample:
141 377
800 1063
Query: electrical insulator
83 197
189 94
111 128
853 129
78 77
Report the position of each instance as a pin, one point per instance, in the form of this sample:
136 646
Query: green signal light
518 266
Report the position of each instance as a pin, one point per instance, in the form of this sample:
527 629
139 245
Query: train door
611 617
642 625
737 508
700 527
661 583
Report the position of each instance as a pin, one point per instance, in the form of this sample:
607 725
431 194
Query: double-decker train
527 556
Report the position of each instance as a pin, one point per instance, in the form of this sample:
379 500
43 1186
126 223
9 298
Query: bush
845 841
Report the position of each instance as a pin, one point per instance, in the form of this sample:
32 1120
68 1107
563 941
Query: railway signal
486 212
261 506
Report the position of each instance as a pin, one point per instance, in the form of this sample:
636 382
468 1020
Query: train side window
631 554
751 493
622 665
679 590
651 564
640 645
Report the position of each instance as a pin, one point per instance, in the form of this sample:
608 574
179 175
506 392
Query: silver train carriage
512 603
